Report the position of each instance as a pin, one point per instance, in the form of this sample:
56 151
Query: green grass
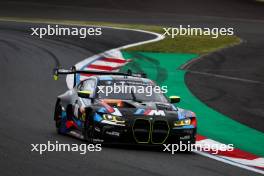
180 44
188 44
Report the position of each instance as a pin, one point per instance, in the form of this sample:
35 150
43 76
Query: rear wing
60 71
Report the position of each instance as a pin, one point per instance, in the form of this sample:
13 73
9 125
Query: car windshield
139 91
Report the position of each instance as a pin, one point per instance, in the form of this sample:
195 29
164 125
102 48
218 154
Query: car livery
131 117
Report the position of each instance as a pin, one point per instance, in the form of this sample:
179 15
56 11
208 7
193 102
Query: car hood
128 108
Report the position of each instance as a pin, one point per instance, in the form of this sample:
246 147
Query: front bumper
145 131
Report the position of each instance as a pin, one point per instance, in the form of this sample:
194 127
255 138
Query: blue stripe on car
102 110
97 117
181 116
183 127
105 78
139 111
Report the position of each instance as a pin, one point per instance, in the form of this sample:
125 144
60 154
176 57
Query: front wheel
88 130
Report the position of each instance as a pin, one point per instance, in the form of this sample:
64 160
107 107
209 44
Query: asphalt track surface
28 94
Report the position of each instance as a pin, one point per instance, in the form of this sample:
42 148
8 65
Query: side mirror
84 94
175 99
55 74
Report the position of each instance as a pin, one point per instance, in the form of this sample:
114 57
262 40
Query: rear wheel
69 112
58 116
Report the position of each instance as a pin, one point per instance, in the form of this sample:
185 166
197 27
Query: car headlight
112 118
182 122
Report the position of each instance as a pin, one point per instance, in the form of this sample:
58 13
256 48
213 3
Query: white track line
111 64
229 162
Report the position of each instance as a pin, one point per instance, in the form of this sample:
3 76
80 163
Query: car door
81 103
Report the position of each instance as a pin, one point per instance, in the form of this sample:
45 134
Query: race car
91 113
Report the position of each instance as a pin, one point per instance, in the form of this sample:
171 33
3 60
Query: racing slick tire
57 116
88 130
69 112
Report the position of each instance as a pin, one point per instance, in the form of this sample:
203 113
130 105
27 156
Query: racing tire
88 130
69 112
57 116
